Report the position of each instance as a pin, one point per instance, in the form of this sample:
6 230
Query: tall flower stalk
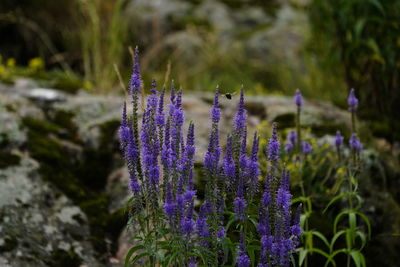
352 229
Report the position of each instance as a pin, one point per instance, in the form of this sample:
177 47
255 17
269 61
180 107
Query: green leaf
335 237
358 258
323 253
138 257
353 226
378 5
130 253
338 197
366 220
363 239
337 219
321 236
302 256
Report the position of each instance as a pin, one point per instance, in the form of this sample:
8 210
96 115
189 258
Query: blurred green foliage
363 38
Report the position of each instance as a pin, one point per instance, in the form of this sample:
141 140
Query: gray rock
38 223
149 12
217 14
46 95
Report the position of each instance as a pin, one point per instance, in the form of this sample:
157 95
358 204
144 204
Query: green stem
353 122
298 128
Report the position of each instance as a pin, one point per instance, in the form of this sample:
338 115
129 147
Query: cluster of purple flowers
293 139
354 142
280 234
160 160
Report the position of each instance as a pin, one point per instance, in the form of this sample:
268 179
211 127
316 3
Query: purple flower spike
187 226
242 258
221 232
241 116
153 86
306 148
289 147
135 79
124 130
160 119
355 143
273 148
296 229
292 137
352 100
240 206
134 185
215 110
169 206
338 140
212 157
298 99
229 164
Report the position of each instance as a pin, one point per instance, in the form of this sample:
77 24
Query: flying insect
229 95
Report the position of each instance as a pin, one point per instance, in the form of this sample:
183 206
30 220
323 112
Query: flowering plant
170 228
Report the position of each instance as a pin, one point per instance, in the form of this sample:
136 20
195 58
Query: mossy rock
64 258
9 244
285 120
8 159
80 179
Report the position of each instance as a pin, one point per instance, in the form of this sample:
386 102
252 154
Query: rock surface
63 184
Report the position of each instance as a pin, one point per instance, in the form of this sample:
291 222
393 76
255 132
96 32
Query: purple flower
253 170
338 140
134 185
283 198
240 117
296 228
192 262
288 147
211 160
150 144
135 79
124 130
221 232
242 258
229 164
215 110
169 205
292 137
187 226
352 100
306 148
239 209
160 119
263 221
189 195
273 147
266 247
298 99
355 143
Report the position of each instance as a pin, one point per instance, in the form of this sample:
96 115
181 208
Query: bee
229 95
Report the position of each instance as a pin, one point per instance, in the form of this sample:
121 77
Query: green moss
40 126
285 120
180 23
64 258
10 243
8 159
64 120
